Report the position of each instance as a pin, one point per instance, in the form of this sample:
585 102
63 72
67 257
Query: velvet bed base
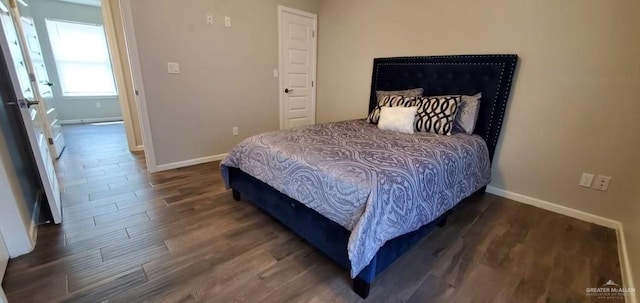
325 235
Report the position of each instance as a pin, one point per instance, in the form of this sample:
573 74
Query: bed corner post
362 283
443 220
361 287
482 190
236 195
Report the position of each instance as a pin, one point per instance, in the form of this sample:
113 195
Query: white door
297 36
52 126
33 115
4 259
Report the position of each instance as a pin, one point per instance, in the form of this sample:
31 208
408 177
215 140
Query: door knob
31 103
286 90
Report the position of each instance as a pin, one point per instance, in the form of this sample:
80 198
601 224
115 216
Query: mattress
378 184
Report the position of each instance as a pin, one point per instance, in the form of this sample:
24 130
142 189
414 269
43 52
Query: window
82 58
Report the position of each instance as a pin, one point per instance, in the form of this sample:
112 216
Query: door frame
20 232
135 77
314 64
4 258
121 75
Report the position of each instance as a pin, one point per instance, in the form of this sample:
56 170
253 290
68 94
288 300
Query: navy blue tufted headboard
452 75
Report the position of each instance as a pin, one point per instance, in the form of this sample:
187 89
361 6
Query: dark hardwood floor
177 236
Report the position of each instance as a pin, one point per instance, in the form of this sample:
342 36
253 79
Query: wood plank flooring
178 236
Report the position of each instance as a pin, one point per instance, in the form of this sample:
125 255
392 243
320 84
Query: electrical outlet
234 130
601 183
173 68
209 18
586 180
98 105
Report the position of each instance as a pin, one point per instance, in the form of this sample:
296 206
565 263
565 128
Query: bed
364 196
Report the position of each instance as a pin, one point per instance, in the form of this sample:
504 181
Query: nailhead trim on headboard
505 98
493 108
502 88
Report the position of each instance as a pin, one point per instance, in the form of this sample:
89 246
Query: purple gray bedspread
377 184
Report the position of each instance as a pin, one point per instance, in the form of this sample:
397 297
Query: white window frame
105 62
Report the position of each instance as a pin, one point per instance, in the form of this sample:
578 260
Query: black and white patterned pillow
436 114
389 101
468 111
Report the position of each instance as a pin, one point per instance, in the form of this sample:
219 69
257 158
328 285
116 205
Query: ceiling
84 2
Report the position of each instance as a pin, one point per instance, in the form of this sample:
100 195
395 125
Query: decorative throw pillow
413 92
400 119
389 101
436 114
467 115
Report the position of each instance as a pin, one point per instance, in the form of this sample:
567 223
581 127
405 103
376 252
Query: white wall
15 217
575 101
71 108
226 73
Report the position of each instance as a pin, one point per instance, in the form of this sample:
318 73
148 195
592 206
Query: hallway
109 203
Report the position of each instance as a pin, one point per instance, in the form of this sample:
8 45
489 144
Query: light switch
276 73
227 21
173 68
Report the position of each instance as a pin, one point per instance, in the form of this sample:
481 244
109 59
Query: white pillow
398 119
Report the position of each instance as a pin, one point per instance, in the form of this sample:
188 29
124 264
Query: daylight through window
82 58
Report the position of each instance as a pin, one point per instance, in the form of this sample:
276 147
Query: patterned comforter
377 184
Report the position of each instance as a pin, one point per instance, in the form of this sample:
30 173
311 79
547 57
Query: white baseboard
179 164
556 208
91 120
625 266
